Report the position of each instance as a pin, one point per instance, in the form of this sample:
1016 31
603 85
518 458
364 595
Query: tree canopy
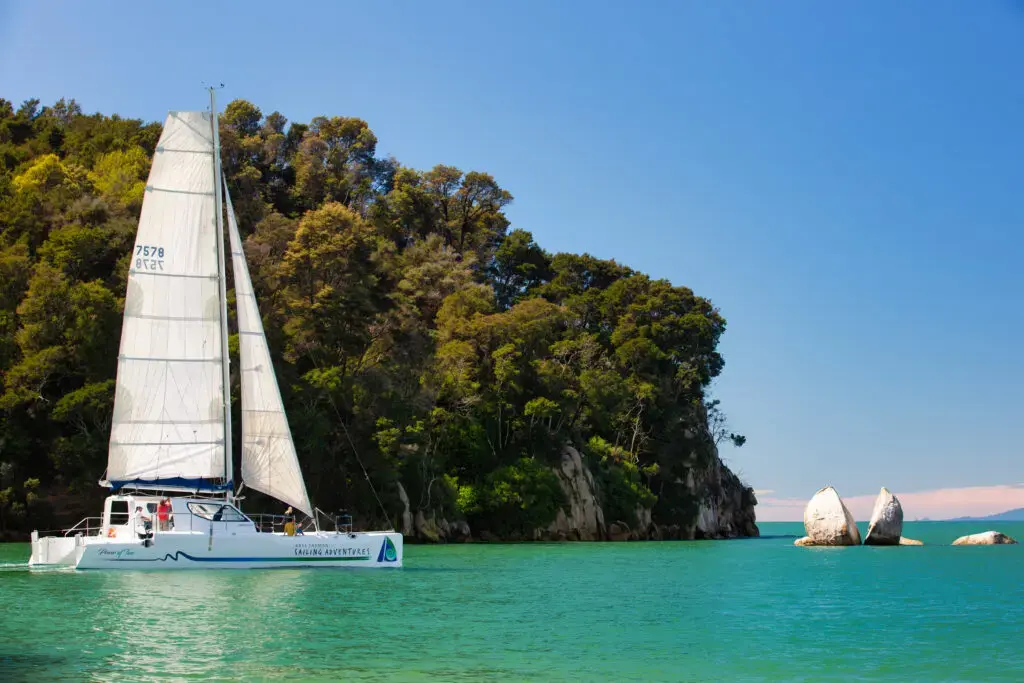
403 310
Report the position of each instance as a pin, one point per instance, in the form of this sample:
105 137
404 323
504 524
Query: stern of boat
55 551
390 552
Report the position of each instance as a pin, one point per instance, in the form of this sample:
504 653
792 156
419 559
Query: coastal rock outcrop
722 507
406 520
430 528
828 522
886 525
985 538
908 541
584 519
725 507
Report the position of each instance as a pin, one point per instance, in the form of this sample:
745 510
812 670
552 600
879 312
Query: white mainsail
269 461
168 422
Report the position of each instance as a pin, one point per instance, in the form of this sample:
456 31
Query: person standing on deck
143 523
163 514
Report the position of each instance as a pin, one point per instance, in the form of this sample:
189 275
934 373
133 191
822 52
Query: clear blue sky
845 183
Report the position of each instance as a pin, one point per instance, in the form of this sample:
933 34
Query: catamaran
173 504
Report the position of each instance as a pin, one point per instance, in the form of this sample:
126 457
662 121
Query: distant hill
1016 515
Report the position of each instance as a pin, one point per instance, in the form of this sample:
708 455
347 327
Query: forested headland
414 331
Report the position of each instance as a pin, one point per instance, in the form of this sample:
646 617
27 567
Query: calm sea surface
754 609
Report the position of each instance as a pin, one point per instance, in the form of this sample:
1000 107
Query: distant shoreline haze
968 503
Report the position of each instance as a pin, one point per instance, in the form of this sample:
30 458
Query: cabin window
118 512
216 512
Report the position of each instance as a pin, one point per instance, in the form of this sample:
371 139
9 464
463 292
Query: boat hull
243 551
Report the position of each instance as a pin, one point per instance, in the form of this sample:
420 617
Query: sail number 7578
149 257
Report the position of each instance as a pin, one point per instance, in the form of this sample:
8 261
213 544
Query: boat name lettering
325 550
117 553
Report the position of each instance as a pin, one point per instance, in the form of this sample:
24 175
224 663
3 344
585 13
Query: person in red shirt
163 514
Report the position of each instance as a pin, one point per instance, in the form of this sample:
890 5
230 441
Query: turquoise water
753 609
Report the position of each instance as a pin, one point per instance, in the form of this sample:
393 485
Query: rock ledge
985 538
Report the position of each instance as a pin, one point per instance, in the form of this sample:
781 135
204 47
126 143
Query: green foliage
120 176
718 425
518 267
407 320
623 491
514 500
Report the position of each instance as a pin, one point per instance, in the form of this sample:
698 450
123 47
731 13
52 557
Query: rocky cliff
723 508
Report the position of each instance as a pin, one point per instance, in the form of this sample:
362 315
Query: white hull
196 550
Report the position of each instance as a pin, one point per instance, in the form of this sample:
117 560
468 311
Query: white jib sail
269 460
168 421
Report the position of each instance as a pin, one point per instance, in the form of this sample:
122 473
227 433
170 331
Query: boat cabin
186 515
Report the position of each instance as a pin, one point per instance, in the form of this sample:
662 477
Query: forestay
269 460
168 422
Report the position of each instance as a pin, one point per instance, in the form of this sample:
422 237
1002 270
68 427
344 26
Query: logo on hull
387 551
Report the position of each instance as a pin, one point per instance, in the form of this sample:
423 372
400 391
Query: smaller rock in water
886 526
908 541
986 538
806 540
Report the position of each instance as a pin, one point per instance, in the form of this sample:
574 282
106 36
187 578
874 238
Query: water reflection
194 624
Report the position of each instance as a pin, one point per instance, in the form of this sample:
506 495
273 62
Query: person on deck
163 514
289 527
143 523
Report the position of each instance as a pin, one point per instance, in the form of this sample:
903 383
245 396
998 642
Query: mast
221 255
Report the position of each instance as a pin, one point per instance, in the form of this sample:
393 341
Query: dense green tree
518 267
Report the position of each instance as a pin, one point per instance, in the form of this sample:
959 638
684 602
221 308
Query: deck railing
90 526
182 521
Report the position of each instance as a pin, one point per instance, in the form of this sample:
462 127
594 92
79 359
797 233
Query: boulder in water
908 541
886 526
986 538
828 522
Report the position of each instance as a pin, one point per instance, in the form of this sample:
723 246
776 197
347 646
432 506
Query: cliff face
724 508
584 518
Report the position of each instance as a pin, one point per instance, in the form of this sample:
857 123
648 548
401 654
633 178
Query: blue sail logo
387 551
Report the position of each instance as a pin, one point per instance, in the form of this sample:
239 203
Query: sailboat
173 502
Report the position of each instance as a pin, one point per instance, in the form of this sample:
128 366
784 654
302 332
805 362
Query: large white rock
828 522
886 526
985 538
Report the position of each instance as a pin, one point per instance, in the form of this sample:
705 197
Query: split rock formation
828 522
886 526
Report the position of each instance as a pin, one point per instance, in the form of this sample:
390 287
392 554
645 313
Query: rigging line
352 444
